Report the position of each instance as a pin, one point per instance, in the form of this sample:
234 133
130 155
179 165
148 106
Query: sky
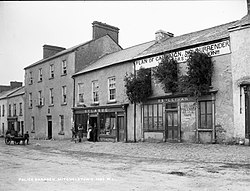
26 26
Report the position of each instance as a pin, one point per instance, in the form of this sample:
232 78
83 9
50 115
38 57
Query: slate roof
64 52
9 92
18 92
190 39
117 57
241 23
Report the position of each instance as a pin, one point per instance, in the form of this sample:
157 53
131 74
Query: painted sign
212 50
173 100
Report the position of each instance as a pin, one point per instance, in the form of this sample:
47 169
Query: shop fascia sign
214 49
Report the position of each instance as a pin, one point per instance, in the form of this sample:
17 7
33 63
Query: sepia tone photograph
125 95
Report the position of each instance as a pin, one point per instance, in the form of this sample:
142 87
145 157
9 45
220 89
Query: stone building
49 86
100 98
12 110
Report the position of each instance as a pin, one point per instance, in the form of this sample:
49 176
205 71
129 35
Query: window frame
30 100
40 75
64 67
206 114
52 70
51 96
64 94
80 93
112 88
30 77
21 109
95 92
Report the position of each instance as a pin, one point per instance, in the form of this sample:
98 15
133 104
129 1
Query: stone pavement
213 153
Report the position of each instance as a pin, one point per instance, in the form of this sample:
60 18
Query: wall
41 113
240 47
94 50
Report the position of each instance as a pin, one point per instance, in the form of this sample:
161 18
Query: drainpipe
134 112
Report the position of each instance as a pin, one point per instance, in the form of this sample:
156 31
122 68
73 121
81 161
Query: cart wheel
7 141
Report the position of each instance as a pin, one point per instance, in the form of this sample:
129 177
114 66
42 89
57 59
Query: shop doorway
93 124
49 127
121 128
172 122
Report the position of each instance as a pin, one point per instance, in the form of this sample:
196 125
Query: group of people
78 133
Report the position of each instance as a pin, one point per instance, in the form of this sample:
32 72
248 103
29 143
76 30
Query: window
0 111
40 75
33 124
64 95
30 78
205 115
62 122
30 100
40 98
51 97
108 124
95 89
20 109
9 110
51 69
14 109
152 117
64 67
112 89
80 93
3 111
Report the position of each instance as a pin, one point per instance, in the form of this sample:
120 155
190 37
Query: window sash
52 71
64 67
152 117
95 90
40 78
64 94
80 93
51 100
205 115
30 100
112 88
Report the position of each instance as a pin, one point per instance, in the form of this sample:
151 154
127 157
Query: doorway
171 122
93 124
247 111
121 128
49 127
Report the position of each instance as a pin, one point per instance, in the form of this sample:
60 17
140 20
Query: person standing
27 137
80 131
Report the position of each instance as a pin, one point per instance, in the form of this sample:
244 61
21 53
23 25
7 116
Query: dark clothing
27 136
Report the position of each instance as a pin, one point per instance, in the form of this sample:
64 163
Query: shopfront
109 122
179 119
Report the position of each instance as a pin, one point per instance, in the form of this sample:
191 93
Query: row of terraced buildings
84 85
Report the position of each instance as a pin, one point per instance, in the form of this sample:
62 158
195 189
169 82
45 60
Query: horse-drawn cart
16 140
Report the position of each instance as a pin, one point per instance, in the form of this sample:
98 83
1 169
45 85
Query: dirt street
65 165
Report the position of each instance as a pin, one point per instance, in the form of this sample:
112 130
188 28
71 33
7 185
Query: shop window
205 115
83 120
152 117
107 124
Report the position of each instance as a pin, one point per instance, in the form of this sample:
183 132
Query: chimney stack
102 29
162 35
15 84
49 50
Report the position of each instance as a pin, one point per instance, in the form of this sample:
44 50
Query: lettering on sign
212 50
173 100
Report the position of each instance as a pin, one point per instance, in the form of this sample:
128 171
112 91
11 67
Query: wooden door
172 125
247 111
49 128
121 128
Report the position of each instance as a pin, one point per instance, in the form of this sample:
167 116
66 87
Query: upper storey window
64 67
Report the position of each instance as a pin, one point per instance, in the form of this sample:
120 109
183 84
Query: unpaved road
64 165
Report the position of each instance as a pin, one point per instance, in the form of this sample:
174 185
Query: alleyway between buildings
65 165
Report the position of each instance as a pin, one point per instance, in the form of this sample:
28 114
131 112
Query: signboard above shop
214 49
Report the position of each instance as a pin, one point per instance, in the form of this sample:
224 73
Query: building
49 86
12 110
221 116
100 98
